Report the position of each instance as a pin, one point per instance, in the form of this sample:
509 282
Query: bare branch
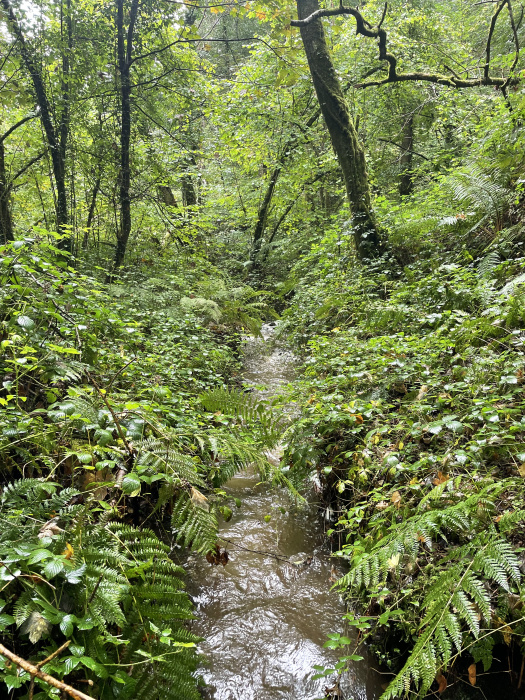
15 126
516 40
26 167
409 150
365 29
489 37
35 672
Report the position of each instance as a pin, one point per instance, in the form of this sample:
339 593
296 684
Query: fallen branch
35 672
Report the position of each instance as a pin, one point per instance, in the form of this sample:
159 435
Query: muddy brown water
265 619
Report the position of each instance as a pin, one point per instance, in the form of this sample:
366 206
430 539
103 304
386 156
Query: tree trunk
47 122
406 184
264 209
124 53
91 212
6 223
190 196
369 240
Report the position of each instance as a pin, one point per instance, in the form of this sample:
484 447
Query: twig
120 370
256 551
45 661
95 589
383 16
35 672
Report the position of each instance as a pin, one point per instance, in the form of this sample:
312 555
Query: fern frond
194 526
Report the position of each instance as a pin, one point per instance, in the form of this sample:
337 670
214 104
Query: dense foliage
172 175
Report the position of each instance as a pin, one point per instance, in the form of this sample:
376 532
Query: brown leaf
198 499
440 479
472 674
224 557
396 499
217 556
442 683
422 392
35 626
50 528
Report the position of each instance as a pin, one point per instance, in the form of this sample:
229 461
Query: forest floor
122 419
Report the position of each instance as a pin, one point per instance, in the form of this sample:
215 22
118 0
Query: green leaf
94 666
131 484
66 625
52 568
25 322
6 620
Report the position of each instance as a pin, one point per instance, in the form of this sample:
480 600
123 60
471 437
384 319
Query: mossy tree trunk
369 240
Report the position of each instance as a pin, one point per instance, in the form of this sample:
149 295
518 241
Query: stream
265 619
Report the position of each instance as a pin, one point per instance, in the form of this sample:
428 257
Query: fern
456 600
159 454
194 526
246 407
119 584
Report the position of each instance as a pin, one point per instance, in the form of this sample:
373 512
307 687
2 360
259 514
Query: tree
124 58
369 239
56 138
6 182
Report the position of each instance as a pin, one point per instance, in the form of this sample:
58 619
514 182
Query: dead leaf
505 630
521 469
396 499
49 529
198 499
393 562
358 418
381 505
334 693
217 556
440 479
35 626
442 683
472 674
422 392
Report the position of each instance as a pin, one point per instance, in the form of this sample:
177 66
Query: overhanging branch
364 28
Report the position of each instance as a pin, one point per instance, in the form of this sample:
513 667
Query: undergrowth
413 426
111 466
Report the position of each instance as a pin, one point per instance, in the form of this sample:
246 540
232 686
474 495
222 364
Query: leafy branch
364 28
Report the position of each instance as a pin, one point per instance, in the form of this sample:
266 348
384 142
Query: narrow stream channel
265 620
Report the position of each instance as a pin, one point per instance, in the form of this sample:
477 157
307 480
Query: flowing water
265 618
